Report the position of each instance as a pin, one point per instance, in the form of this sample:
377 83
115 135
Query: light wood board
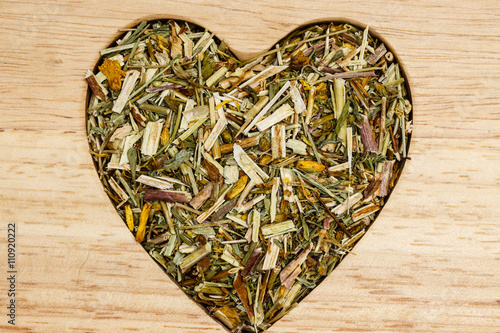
431 262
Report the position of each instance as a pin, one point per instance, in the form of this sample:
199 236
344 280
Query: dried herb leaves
248 182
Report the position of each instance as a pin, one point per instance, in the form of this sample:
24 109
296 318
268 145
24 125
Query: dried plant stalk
267 107
272 253
195 257
364 211
216 131
292 270
248 166
297 100
151 138
212 209
202 196
154 182
298 147
278 144
96 86
243 143
167 196
127 87
281 113
274 198
352 200
367 136
275 229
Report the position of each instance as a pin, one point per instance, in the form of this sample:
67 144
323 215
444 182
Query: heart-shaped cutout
248 182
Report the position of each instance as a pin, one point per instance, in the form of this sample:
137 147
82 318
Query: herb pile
248 182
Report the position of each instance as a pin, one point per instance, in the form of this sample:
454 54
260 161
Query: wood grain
430 262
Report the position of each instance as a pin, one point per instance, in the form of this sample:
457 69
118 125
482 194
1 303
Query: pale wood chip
248 166
298 147
216 131
278 145
364 211
281 113
127 87
272 253
155 182
151 138
351 201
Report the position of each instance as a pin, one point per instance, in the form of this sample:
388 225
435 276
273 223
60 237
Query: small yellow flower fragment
114 73
129 217
141 230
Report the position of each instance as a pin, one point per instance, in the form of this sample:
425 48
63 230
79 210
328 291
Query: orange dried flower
162 42
298 61
141 229
310 166
114 73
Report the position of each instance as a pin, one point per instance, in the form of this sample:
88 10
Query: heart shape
248 182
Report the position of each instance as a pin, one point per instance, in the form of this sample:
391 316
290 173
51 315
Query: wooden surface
431 262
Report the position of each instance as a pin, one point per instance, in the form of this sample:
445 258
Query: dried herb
248 182
113 72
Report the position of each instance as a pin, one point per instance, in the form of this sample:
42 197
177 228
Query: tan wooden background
431 262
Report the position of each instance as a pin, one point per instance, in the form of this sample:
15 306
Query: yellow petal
141 230
310 166
238 188
112 70
129 217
